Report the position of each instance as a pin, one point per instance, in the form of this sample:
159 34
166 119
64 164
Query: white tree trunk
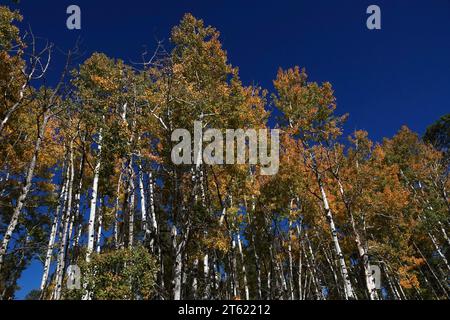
363 254
17 104
131 208
348 289
93 207
194 280
255 253
24 192
116 213
99 228
145 227
152 205
291 270
439 251
66 221
206 292
244 271
300 264
234 268
77 214
51 243
313 270
177 274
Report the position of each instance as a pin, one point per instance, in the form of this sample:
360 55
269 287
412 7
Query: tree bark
66 221
244 271
348 289
93 206
51 242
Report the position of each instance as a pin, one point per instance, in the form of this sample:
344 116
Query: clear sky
382 78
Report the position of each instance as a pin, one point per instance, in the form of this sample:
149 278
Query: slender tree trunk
161 273
93 207
24 191
99 228
256 257
153 223
363 254
131 211
441 286
178 265
216 281
145 227
393 289
152 204
290 260
333 271
253 242
348 289
116 213
66 221
61 231
234 268
444 233
311 265
51 242
439 251
300 263
78 217
16 105
244 271
206 278
194 280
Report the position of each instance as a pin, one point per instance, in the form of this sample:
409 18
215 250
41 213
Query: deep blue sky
383 78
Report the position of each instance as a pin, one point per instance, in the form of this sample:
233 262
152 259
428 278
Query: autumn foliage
86 178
